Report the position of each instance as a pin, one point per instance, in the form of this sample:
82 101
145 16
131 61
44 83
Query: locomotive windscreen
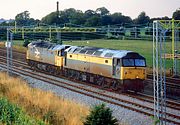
134 59
134 62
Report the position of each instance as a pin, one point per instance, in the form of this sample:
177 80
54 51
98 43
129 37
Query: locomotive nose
133 73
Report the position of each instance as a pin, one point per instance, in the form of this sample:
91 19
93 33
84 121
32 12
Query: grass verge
42 105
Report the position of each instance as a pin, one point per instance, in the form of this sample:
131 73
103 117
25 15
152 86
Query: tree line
92 18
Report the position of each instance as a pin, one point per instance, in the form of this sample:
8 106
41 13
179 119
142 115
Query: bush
100 115
26 42
12 114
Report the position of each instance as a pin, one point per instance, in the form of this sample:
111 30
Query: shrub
26 42
12 114
100 115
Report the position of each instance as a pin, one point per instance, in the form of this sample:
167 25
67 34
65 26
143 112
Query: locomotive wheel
106 84
115 86
100 81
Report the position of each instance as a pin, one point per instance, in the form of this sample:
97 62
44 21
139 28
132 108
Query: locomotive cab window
59 53
134 62
118 62
140 62
62 52
128 62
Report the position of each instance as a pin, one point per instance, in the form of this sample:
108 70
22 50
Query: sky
40 8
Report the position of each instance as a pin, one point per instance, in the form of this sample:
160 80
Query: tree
176 14
89 13
67 16
118 18
93 21
159 18
102 11
106 20
75 16
100 115
50 19
23 19
142 19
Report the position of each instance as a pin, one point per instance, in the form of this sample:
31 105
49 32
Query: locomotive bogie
106 82
45 67
135 85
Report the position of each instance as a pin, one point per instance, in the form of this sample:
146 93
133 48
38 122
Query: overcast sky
40 8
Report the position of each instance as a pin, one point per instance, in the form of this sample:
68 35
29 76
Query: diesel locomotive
120 70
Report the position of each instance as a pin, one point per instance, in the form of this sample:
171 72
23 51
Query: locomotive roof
102 52
47 44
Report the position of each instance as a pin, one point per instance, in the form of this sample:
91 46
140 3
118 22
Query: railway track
174 81
98 95
140 96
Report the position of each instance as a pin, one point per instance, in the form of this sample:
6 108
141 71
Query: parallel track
98 95
146 98
133 107
140 96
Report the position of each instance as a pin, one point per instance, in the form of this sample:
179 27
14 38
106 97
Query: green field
145 48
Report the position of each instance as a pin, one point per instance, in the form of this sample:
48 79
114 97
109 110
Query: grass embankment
42 105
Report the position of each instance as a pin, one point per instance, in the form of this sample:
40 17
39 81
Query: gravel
124 116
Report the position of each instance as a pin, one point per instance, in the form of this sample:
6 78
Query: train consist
116 69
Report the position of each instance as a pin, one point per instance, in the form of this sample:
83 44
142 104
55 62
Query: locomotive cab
117 63
60 54
133 72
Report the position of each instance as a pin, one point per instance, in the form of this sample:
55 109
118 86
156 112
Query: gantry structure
160 28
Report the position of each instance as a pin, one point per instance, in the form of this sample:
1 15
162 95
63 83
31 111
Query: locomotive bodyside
117 69
108 66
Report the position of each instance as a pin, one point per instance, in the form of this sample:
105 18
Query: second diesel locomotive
117 69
